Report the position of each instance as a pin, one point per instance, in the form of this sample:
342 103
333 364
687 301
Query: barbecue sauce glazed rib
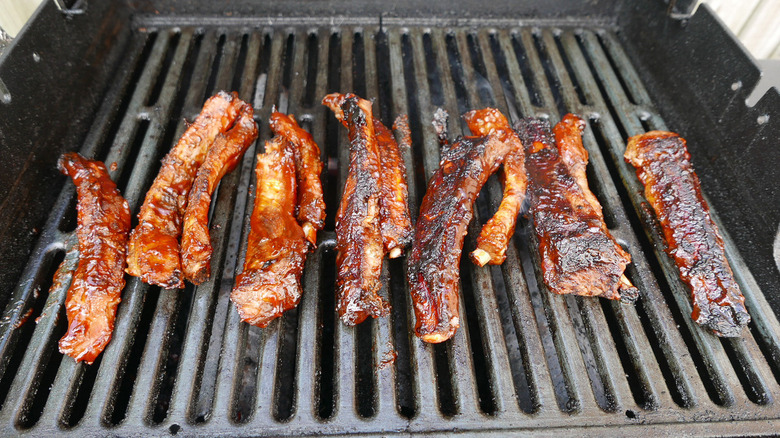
447 208
95 291
222 157
494 237
663 165
395 221
153 252
270 282
358 236
578 256
308 168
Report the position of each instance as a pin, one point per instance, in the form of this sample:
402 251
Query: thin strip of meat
568 139
222 157
358 235
672 188
395 221
96 288
270 282
153 250
578 256
308 168
494 237
447 208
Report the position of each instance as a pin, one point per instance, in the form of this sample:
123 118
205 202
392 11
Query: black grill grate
181 362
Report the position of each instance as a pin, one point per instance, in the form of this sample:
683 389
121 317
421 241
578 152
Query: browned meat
358 236
494 238
222 157
434 264
308 168
96 288
153 250
568 139
270 283
578 255
663 165
395 222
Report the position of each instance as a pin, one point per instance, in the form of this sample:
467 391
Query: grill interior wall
181 360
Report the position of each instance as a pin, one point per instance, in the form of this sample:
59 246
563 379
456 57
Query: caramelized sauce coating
308 168
270 282
222 157
395 221
96 288
447 208
672 188
153 252
494 238
358 235
578 255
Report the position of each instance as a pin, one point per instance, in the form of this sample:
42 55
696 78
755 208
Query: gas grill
116 80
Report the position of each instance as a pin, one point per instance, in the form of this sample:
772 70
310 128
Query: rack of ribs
153 252
222 157
578 254
494 237
96 288
270 282
447 207
663 165
308 168
358 236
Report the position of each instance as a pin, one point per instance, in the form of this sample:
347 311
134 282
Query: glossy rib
222 157
308 168
578 255
153 249
434 264
270 282
494 237
358 235
672 188
395 222
96 288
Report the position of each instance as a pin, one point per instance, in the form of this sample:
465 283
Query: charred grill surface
96 288
434 264
308 168
153 249
358 234
494 237
578 256
672 188
270 282
222 157
395 223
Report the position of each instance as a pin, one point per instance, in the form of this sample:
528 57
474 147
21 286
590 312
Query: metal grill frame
572 329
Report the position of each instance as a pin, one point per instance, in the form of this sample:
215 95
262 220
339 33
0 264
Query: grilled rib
153 252
222 157
494 237
395 222
663 165
358 235
578 255
308 168
568 140
270 282
96 288
434 264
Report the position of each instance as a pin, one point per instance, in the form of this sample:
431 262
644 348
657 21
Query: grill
524 360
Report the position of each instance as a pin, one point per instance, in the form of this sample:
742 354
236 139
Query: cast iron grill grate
181 362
